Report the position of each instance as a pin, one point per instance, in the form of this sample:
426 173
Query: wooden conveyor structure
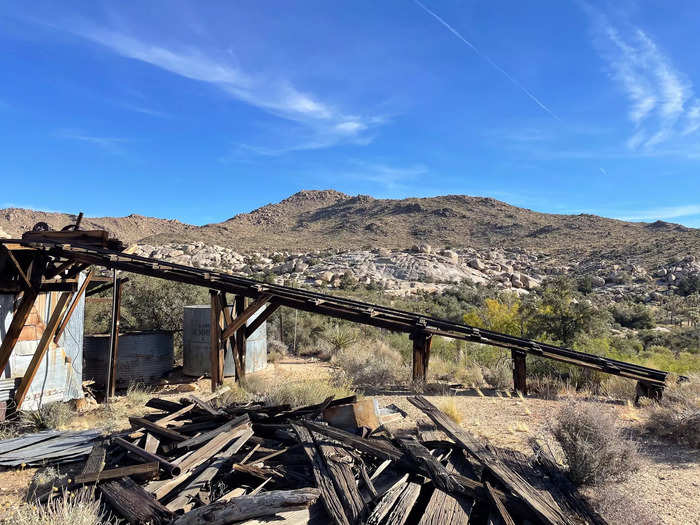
50 260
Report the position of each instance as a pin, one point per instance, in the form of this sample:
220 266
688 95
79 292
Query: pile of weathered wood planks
199 461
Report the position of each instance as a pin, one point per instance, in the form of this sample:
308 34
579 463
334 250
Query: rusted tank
195 351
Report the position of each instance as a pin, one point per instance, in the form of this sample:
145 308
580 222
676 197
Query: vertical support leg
519 371
215 339
239 354
421 356
112 367
228 320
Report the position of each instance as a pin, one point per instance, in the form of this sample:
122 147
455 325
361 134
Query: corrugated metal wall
142 357
60 374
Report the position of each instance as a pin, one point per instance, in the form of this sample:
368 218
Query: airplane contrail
487 59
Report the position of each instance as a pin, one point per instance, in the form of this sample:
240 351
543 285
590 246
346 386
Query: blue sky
201 110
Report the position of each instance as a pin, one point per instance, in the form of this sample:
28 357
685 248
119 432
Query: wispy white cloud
662 104
667 212
385 175
277 96
108 143
486 58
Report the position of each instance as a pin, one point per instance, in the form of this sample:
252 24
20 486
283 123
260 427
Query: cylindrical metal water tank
142 357
195 350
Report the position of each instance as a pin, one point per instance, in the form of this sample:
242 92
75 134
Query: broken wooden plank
501 514
145 469
323 478
202 480
95 462
339 464
133 503
404 504
207 436
205 452
158 430
547 511
436 471
250 506
445 509
170 468
151 443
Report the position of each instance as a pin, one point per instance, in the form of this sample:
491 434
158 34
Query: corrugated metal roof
47 447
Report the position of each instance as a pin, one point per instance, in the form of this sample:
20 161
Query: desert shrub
594 447
370 363
549 386
499 376
635 316
470 375
676 417
296 392
449 408
48 417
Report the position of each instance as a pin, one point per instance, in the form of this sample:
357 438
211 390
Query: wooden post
112 367
519 371
214 339
229 314
40 351
421 355
240 339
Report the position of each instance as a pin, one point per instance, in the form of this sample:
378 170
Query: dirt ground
667 485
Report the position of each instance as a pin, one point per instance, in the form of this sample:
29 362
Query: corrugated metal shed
60 374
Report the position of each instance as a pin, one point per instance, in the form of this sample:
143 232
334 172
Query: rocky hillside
318 220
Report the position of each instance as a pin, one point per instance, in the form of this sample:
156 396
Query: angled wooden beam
72 307
40 351
13 332
244 315
19 269
260 319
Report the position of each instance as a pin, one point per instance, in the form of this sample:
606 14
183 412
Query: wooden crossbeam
260 319
40 351
72 307
244 315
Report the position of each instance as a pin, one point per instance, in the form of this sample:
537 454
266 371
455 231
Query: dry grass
677 416
549 387
295 391
74 508
370 364
499 376
449 407
593 445
617 387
